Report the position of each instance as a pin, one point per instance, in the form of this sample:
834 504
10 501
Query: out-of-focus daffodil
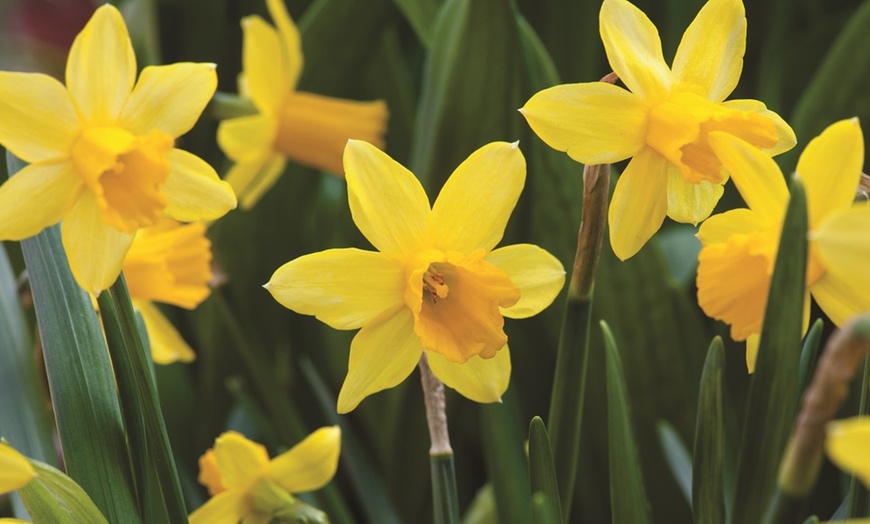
306 128
739 246
437 283
246 486
848 446
169 263
664 119
101 150
15 470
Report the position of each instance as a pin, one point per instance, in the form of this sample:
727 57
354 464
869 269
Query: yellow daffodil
15 470
169 263
246 486
739 246
306 128
101 150
664 119
436 283
848 446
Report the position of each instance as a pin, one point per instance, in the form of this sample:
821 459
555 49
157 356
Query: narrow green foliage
421 15
56 498
506 462
627 493
80 376
708 487
773 391
858 497
678 457
444 494
810 354
542 473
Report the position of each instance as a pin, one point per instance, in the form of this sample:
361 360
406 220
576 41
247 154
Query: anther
433 283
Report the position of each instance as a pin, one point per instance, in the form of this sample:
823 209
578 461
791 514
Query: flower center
433 283
679 127
124 172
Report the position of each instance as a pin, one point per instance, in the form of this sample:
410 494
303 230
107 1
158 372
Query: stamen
433 282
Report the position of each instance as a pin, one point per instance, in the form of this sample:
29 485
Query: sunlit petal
227 507
166 343
15 470
786 139
247 138
291 43
382 355
37 197
752 351
193 190
843 245
846 445
595 123
639 203
718 228
689 202
538 274
239 460
309 465
261 54
711 51
478 379
345 288
101 67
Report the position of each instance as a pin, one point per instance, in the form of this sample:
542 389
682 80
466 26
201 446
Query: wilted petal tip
515 145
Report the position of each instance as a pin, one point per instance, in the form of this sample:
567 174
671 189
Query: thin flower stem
444 494
226 105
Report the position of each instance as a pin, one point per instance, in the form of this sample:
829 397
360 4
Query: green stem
225 105
858 494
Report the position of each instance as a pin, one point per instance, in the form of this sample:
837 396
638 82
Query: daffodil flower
101 150
436 282
739 246
15 470
169 263
246 486
306 128
848 446
664 120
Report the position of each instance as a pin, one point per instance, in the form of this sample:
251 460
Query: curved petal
37 197
15 470
711 51
690 203
382 355
785 138
261 55
846 445
101 67
95 250
639 203
388 204
843 244
291 43
595 122
718 228
309 465
634 49
228 507
345 288
478 379
193 190
169 98
476 202
840 298
166 343
755 174
247 138
39 120
251 180
830 168
239 460
538 274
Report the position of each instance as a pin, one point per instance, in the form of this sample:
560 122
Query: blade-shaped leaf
678 457
708 487
542 473
54 497
505 457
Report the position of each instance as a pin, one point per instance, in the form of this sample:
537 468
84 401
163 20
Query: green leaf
54 497
542 473
810 354
627 494
506 462
80 376
773 392
858 496
421 15
708 486
678 457
445 499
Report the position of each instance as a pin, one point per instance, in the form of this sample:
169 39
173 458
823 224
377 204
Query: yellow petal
752 351
388 204
166 343
634 49
101 67
239 460
689 202
639 203
209 473
309 465
39 120
718 228
251 180
476 202
785 140
711 51
839 298
169 98
247 138
261 55
193 190
382 355
95 250
345 288
848 446
595 122
15 470
538 274
291 43
478 379
228 507
37 197
830 168
755 174
843 245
